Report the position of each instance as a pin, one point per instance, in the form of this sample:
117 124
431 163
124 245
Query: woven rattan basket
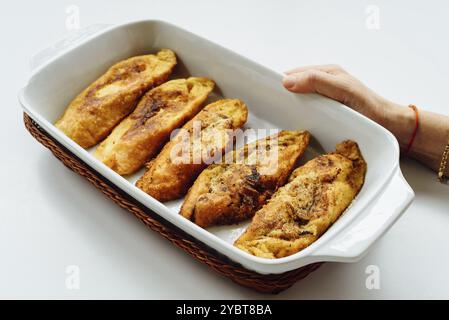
273 283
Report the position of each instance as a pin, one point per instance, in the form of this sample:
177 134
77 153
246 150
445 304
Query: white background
51 218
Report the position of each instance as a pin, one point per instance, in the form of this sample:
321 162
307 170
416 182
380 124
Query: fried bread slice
231 193
142 134
201 140
302 210
92 115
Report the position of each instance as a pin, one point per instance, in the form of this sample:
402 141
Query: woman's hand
335 83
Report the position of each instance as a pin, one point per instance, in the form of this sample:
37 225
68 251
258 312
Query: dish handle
72 38
351 244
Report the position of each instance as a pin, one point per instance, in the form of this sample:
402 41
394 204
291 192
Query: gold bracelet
442 170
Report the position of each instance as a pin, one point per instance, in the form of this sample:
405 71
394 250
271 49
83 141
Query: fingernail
288 81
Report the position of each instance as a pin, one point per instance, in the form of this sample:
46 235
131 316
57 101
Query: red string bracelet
415 130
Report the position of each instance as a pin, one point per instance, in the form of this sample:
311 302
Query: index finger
330 68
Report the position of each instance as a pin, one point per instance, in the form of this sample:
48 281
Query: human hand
335 83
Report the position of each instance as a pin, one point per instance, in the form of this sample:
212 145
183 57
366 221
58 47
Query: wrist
399 120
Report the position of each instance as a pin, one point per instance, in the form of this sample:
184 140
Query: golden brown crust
168 180
302 210
92 115
230 193
143 133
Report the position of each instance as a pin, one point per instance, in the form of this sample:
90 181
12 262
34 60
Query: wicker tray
273 283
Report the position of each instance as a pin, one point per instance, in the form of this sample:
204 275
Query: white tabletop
50 218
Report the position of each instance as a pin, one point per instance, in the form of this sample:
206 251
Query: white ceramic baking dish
69 66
